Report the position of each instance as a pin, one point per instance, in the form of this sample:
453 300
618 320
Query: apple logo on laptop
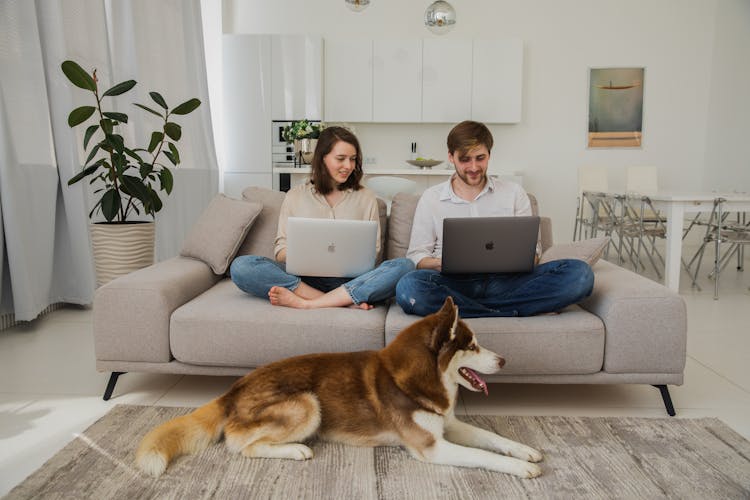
489 245
332 247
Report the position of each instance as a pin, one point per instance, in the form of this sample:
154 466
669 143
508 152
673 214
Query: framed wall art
615 107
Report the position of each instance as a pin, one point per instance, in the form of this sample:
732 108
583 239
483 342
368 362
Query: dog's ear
445 328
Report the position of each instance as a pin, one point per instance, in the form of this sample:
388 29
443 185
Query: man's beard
465 179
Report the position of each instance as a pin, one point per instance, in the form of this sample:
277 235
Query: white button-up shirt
499 198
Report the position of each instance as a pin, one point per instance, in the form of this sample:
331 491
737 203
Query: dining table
675 206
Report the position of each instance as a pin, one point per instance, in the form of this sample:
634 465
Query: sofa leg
667 399
111 385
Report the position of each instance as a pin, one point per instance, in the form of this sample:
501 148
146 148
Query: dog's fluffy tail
189 433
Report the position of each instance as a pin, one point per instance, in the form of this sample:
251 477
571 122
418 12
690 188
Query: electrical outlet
370 160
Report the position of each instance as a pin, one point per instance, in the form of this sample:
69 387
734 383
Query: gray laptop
335 248
489 244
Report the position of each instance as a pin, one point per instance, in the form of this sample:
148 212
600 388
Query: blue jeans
549 287
256 275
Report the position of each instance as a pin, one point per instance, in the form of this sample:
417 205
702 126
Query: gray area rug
584 458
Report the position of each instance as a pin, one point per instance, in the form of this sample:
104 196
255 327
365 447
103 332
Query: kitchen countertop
440 170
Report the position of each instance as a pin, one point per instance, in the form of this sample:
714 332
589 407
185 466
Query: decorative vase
304 149
121 248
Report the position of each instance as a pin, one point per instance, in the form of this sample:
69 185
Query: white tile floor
50 390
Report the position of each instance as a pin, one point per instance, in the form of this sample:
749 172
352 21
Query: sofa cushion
227 327
571 342
217 234
261 237
403 207
586 250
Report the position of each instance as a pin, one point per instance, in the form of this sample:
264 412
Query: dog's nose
500 361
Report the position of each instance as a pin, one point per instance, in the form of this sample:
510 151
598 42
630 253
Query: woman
333 191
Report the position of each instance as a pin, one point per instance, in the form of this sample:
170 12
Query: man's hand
281 256
430 263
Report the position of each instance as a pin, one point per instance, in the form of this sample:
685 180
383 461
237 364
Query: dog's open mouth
475 380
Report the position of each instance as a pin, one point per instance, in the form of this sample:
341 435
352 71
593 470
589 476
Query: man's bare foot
280 296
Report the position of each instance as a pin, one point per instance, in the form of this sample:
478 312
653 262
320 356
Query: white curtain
47 257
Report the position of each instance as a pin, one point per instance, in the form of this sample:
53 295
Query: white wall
691 50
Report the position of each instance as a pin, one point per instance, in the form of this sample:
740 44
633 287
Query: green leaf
107 125
186 107
83 173
120 88
175 153
158 99
146 169
118 117
166 179
171 157
173 130
92 154
134 186
87 136
132 153
95 207
78 76
116 141
110 204
80 115
156 138
149 110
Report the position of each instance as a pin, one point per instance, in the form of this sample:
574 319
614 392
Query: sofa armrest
132 312
645 322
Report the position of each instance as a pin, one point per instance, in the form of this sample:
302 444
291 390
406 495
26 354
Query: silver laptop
489 244
335 248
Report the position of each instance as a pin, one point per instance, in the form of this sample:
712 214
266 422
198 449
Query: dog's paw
532 470
534 455
298 451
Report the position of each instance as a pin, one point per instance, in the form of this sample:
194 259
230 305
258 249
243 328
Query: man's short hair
467 135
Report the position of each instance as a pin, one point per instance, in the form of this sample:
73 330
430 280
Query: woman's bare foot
280 296
362 305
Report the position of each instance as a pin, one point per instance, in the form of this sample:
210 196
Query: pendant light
440 17
357 5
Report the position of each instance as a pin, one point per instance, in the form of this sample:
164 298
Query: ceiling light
440 17
357 5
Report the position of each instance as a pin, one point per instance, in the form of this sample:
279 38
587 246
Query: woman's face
341 161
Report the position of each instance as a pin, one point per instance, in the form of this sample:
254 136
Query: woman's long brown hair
319 176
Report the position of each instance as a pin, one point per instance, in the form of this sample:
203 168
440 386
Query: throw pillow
403 207
262 236
586 250
219 231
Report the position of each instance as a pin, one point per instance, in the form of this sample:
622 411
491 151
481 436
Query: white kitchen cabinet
246 106
497 81
446 80
296 77
348 80
397 81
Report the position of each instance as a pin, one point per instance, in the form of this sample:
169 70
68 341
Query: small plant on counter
302 129
129 180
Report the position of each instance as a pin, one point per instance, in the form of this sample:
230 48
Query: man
470 193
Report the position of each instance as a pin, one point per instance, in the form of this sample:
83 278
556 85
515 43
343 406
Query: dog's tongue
477 381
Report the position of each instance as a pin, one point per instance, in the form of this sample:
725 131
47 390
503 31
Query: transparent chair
594 179
640 226
722 230
386 187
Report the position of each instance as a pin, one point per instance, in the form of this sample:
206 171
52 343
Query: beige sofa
179 316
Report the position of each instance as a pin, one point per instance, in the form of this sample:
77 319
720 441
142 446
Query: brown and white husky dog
402 395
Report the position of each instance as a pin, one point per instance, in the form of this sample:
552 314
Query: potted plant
128 180
304 135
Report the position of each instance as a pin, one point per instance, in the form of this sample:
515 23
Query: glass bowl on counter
424 163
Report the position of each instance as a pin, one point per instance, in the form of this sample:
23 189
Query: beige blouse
305 201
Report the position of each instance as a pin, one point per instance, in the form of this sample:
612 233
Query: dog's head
459 355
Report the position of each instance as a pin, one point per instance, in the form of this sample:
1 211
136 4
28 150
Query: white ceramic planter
121 248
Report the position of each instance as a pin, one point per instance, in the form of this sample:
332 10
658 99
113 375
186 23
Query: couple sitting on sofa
334 191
